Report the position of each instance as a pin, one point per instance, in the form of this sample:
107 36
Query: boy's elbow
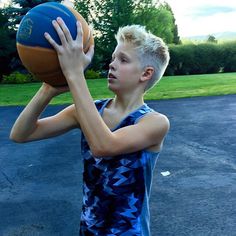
96 152
104 148
16 139
102 152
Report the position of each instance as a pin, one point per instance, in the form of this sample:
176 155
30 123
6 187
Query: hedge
17 77
202 58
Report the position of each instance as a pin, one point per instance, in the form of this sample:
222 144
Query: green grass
168 88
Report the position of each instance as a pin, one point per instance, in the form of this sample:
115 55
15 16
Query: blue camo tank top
116 190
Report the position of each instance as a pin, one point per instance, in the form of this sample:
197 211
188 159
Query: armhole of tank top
100 104
140 117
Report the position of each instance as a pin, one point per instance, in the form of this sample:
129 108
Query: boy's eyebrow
121 53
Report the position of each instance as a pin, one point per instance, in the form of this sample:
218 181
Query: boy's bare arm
148 132
28 126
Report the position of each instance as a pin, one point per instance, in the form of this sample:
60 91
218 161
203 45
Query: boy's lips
111 76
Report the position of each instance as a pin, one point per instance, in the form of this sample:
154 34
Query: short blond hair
152 51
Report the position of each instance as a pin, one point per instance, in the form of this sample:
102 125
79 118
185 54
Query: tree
84 8
176 38
19 8
7 45
159 22
211 39
159 19
108 15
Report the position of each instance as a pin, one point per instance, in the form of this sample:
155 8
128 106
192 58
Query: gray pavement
40 182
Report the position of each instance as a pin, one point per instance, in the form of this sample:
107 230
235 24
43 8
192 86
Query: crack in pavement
7 178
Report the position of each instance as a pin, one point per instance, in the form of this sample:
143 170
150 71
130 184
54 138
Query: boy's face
125 69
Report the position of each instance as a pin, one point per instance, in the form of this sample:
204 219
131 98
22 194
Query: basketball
35 52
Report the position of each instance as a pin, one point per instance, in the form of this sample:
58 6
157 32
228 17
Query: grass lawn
168 88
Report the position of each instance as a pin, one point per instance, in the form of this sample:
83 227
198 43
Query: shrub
194 59
208 57
91 74
228 56
181 60
18 78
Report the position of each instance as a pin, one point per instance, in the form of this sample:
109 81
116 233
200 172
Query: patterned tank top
116 190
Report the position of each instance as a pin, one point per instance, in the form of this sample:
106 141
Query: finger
90 52
65 29
52 41
79 37
59 32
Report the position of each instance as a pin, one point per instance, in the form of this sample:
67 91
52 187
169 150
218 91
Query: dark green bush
91 74
208 58
182 61
18 78
228 56
201 58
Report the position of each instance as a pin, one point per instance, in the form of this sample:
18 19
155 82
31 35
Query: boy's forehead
125 48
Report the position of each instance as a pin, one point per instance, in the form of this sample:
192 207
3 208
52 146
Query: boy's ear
147 73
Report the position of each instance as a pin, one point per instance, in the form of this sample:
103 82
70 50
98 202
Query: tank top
116 190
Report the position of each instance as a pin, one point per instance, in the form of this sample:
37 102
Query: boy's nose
111 66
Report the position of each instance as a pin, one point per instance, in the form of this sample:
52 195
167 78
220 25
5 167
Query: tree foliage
19 8
7 44
228 56
176 38
107 16
211 39
202 58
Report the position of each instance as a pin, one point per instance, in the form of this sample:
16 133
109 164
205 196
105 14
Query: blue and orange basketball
35 52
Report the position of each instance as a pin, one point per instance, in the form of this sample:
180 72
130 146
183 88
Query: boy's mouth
111 76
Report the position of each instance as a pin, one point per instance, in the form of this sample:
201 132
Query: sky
200 17
204 17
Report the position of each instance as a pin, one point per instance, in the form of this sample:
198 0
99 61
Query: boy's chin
112 88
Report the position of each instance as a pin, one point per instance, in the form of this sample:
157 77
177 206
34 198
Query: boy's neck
127 103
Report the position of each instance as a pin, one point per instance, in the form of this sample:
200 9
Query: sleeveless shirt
116 190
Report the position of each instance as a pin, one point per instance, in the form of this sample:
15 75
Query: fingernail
54 22
59 18
45 34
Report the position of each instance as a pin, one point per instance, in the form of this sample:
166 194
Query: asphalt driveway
41 182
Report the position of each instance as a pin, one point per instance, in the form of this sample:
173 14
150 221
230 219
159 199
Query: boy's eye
123 59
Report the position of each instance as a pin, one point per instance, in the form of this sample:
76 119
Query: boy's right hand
54 91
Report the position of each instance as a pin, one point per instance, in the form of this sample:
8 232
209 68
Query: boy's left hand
71 56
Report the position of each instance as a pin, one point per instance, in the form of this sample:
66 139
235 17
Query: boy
121 137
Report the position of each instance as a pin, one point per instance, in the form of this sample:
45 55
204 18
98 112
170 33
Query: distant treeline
202 58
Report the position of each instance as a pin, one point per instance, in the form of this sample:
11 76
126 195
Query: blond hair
152 51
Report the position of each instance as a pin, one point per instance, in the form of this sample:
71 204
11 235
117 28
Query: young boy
121 137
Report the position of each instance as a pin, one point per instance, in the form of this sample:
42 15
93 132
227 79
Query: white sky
200 17
2 2
204 17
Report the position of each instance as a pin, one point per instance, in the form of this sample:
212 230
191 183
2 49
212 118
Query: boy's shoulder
154 126
156 120
157 116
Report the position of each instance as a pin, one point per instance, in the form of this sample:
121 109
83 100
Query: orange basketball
35 52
